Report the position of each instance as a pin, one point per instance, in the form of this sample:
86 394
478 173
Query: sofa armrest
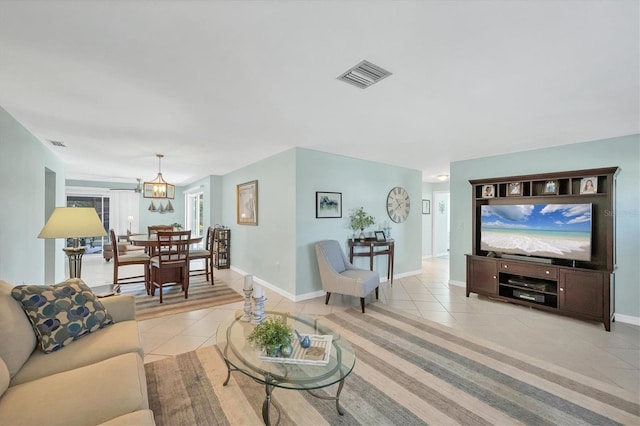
120 307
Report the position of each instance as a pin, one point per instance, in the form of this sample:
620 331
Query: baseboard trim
281 292
403 275
457 283
627 319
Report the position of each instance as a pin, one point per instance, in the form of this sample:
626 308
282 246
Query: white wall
623 152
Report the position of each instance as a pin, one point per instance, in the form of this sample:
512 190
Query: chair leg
326 300
362 304
376 293
147 279
160 288
185 283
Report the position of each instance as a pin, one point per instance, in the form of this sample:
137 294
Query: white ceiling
217 85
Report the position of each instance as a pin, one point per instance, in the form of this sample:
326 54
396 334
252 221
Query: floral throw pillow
61 313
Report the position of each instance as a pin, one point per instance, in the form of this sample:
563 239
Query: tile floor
584 347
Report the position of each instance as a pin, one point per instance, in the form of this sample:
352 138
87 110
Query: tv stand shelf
581 288
534 290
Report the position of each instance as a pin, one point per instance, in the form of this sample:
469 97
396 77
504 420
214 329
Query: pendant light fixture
159 188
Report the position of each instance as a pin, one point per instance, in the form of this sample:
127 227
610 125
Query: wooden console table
384 248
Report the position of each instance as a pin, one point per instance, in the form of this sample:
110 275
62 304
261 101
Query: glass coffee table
240 355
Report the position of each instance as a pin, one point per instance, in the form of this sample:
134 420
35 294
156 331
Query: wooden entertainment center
578 288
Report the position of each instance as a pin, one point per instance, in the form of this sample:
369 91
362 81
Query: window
101 204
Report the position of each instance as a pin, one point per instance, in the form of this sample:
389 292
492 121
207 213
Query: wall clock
398 204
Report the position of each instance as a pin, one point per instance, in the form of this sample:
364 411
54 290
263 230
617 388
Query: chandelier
159 189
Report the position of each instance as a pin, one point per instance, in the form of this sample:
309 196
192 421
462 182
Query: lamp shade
73 222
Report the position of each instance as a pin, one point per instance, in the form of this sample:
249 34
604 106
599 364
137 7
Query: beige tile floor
584 347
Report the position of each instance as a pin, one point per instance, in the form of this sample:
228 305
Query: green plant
273 331
176 225
359 219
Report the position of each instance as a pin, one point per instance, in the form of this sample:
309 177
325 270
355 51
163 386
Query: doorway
194 206
441 224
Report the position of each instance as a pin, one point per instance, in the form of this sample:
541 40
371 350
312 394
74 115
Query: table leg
266 405
332 398
393 259
228 373
371 257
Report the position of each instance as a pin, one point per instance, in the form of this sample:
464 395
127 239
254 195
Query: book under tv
546 231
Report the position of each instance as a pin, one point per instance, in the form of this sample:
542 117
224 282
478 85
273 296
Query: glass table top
241 355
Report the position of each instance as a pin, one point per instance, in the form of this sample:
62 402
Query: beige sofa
98 379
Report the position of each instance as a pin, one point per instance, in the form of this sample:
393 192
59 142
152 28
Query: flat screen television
559 231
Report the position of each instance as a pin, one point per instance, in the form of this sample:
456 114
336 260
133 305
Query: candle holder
258 312
247 305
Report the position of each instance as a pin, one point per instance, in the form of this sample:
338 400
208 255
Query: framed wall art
550 187
380 236
328 205
589 185
514 189
247 203
426 206
488 191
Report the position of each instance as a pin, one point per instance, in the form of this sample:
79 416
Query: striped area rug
201 295
408 371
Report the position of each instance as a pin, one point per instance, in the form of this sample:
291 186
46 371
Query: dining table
152 240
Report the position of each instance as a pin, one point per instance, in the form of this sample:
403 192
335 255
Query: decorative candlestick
258 299
247 290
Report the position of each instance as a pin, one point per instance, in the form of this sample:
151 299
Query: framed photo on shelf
550 187
488 191
514 189
380 236
589 185
247 203
328 204
426 206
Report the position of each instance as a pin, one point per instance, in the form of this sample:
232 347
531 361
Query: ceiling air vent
57 143
364 75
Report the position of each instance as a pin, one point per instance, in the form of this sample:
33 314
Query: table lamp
73 222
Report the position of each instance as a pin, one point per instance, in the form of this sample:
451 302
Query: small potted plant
273 336
359 219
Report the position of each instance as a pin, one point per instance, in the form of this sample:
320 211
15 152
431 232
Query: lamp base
75 260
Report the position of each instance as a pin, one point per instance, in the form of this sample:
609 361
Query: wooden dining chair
206 255
153 229
170 265
120 260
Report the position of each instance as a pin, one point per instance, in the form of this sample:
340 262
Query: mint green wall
362 184
268 250
280 249
22 173
623 152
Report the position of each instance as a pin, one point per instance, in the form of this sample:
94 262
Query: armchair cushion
61 313
340 276
4 377
333 256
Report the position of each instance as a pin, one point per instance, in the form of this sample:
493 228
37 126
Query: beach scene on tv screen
542 230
